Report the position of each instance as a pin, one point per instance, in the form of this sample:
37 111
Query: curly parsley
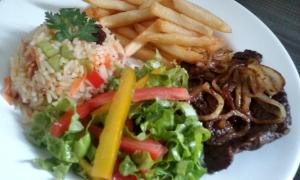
70 23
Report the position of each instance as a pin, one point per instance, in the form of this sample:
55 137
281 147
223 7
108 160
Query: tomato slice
130 145
166 93
143 94
95 79
84 109
62 125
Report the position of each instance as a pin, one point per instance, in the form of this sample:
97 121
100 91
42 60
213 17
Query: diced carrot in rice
76 85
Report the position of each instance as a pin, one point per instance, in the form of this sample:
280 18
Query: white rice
46 85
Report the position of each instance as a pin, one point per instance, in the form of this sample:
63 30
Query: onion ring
206 88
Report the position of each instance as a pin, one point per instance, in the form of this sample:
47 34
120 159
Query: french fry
147 23
167 27
182 54
135 2
139 28
138 42
142 54
218 44
128 32
97 13
126 18
200 14
167 3
180 19
167 56
89 12
112 4
148 3
178 39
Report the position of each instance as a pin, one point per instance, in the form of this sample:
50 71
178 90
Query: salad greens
175 76
70 23
172 124
64 151
176 124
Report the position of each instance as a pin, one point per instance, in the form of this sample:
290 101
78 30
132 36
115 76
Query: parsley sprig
70 23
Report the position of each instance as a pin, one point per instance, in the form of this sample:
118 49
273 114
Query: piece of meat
216 156
219 157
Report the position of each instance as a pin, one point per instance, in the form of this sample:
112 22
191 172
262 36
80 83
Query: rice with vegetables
44 69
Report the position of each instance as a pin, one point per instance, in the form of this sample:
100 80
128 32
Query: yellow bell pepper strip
139 84
101 110
142 82
87 168
109 141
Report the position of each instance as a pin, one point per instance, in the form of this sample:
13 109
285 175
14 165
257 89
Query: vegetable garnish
144 94
107 151
70 23
131 145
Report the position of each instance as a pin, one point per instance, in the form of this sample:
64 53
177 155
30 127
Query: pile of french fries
180 30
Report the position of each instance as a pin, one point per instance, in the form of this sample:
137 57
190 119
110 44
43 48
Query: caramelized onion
280 111
276 78
206 88
228 131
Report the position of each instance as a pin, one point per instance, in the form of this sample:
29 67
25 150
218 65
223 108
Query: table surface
283 18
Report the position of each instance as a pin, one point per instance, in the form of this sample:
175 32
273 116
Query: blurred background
283 18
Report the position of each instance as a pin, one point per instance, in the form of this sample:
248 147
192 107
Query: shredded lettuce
174 76
177 125
168 77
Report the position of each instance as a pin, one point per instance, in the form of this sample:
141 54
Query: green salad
161 136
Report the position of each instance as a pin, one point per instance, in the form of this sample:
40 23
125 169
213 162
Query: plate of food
136 89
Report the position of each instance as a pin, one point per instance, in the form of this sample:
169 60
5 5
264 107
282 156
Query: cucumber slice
47 48
54 62
66 52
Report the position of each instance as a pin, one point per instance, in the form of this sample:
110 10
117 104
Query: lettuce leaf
65 151
173 76
177 125
58 168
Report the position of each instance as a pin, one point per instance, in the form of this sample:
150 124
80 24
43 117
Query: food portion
180 30
149 132
67 56
241 102
138 89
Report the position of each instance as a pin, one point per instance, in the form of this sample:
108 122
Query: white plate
277 161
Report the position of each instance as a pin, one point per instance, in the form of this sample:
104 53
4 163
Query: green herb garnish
70 23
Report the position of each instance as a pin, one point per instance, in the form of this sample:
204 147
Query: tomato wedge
165 93
95 79
143 94
60 127
130 145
